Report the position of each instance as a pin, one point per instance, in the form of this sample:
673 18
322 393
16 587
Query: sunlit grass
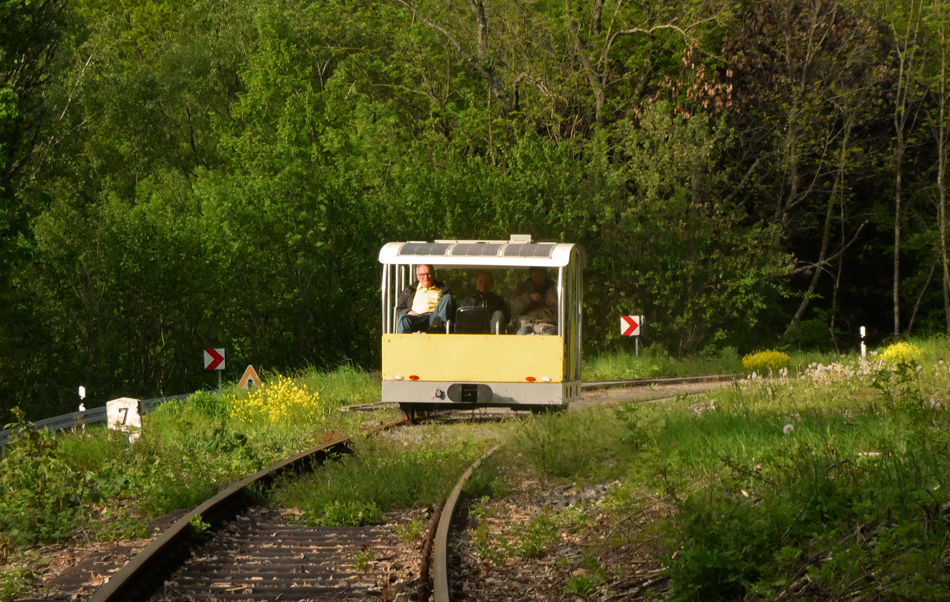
837 470
655 362
383 474
186 451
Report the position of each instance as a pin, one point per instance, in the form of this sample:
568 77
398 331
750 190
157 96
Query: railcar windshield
539 282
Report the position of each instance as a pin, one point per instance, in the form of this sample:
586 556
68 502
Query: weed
531 541
15 582
560 445
655 361
211 404
527 541
344 386
580 585
766 362
848 493
344 514
482 509
410 531
277 401
488 546
362 559
900 352
41 492
381 475
199 528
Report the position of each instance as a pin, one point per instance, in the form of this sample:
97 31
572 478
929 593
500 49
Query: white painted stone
124 414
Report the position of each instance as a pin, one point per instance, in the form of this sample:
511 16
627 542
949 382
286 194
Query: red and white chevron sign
214 359
630 325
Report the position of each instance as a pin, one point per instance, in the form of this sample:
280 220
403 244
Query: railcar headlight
397 377
545 379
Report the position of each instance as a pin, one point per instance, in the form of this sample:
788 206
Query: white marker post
124 415
82 405
864 349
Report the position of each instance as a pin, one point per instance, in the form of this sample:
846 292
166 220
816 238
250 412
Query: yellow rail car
456 365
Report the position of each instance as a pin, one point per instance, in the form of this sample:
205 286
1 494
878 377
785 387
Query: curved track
247 553
148 570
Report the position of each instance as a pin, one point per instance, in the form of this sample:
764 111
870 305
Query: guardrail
65 422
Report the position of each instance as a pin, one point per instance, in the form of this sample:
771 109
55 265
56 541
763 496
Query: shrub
276 401
763 362
15 582
901 352
210 404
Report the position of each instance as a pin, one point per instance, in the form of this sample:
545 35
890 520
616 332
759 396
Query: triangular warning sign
250 379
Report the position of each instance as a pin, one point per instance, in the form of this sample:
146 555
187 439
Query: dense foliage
184 174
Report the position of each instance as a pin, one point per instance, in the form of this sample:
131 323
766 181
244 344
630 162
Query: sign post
216 359
630 327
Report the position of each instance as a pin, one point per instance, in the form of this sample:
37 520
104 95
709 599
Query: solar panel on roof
476 250
424 248
538 250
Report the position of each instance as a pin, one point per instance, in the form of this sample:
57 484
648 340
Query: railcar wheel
545 410
407 412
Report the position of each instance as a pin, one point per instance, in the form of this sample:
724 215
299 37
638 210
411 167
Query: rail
157 559
440 554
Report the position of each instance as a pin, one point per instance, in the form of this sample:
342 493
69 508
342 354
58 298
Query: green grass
380 475
839 473
15 582
50 486
836 472
654 361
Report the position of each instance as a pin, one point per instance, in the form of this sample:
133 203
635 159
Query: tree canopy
184 174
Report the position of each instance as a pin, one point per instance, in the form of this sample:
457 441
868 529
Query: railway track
231 549
252 553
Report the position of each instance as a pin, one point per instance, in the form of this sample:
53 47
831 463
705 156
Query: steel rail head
440 569
668 380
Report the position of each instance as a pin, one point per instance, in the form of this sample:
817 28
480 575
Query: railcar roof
487 253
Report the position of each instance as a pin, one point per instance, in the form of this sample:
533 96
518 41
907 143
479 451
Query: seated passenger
494 303
424 305
535 304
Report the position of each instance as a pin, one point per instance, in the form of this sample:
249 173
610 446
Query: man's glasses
424 275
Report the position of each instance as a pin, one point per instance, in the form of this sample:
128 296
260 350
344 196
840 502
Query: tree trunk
905 52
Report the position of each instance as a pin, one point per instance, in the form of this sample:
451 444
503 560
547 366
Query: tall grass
654 361
830 483
186 451
380 475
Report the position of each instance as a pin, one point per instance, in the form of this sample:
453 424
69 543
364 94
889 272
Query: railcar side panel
473 358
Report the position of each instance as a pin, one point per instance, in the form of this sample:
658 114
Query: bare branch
494 82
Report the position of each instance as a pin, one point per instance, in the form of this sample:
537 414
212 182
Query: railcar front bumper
480 394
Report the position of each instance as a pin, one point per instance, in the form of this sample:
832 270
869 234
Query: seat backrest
472 320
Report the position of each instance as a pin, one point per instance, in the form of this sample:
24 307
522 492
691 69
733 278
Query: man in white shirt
424 305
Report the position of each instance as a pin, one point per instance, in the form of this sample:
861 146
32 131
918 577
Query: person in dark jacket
424 305
484 297
535 303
